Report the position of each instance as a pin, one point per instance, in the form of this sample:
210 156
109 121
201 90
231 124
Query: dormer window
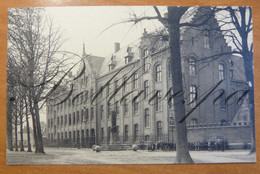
129 56
111 67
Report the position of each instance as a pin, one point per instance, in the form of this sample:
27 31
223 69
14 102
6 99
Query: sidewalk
87 156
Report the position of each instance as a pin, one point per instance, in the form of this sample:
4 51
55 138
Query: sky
86 25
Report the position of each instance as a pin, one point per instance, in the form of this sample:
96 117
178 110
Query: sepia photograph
130 85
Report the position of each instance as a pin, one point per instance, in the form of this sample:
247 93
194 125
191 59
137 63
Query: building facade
126 98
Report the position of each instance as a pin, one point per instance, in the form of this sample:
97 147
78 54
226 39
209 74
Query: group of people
210 145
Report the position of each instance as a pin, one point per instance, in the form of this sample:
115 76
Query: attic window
111 67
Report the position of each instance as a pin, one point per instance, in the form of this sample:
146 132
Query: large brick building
125 97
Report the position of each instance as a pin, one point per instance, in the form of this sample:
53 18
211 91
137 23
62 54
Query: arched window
193 96
158 73
136 132
221 71
192 67
146 89
159 131
146 118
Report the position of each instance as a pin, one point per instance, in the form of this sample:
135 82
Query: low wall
233 133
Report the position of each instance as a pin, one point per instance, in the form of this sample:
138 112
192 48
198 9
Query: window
146 118
158 101
231 73
222 99
135 107
136 132
61 120
135 81
125 107
192 67
65 120
58 121
108 111
169 71
193 96
158 73
74 118
82 115
86 115
125 84
102 134
117 107
159 131
221 69
65 104
69 119
49 123
62 135
147 138
126 133
102 112
78 117
206 40
146 64
69 134
170 98
116 84
92 114
194 121
146 89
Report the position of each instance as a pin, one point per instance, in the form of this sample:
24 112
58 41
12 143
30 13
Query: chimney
117 47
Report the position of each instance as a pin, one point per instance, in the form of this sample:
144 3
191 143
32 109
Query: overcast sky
84 24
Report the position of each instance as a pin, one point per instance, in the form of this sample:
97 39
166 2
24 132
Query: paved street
87 156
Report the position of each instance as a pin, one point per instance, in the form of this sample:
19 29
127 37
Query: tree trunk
15 131
34 124
28 127
21 123
39 132
9 124
182 149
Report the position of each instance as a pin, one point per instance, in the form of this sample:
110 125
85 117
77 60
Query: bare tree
34 42
236 24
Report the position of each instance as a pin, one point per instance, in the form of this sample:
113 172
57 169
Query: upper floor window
92 113
206 40
125 107
158 101
169 71
146 89
146 118
158 73
102 111
221 71
192 67
135 107
193 96
146 64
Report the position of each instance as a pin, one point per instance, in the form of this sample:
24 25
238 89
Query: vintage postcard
130 85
